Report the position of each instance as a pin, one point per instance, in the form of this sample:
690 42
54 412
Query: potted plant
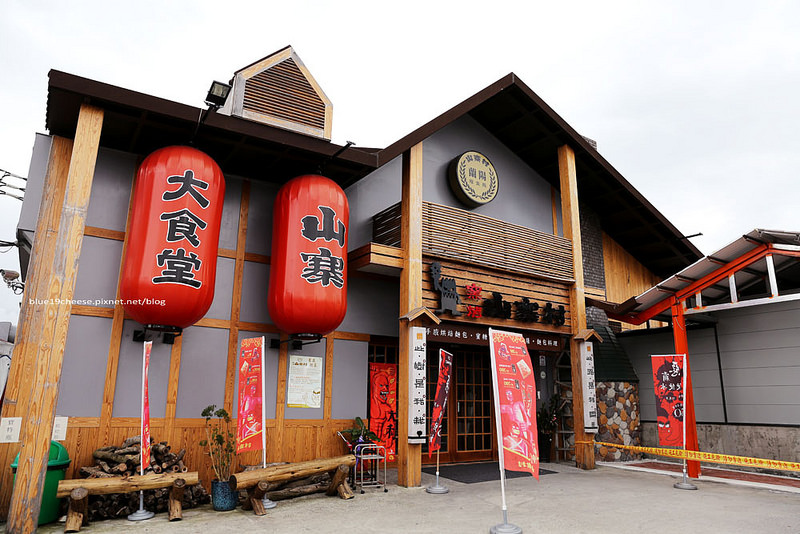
220 446
547 424
359 434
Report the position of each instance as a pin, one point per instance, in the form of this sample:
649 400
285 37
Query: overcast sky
694 102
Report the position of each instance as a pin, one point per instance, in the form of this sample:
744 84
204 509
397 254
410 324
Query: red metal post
682 347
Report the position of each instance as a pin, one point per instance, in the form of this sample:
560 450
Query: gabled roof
508 109
520 119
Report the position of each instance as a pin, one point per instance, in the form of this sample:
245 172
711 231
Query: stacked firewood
124 460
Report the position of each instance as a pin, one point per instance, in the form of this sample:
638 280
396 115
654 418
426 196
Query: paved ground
607 499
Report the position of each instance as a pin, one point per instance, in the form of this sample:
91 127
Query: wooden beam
236 300
45 338
570 220
22 369
409 456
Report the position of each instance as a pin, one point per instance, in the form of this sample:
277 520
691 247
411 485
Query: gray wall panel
315 349
255 282
128 393
112 187
523 196
204 359
350 367
703 362
271 372
98 272
259 218
83 374
371 195
223 290
759 349
29 213
229 225
372 306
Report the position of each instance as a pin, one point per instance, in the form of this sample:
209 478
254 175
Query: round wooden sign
473 179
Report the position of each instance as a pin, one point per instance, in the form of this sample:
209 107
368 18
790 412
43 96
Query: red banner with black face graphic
383 405
669 385
440 401
144 443
515 394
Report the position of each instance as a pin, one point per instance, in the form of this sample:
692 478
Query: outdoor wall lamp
218 94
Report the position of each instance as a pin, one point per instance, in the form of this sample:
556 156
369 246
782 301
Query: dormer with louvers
278 90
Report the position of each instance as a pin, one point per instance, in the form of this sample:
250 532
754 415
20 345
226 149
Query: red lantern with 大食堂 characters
308 268
170 263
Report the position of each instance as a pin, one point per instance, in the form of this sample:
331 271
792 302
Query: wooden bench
79 489
258 482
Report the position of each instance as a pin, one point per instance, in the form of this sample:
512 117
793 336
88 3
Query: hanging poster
305 382
668 382
145 421
383 405
515 405
440 400
249 412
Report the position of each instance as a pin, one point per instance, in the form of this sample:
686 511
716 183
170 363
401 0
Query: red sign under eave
308 270
170 264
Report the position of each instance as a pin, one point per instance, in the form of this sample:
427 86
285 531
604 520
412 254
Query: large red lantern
170 261
308 270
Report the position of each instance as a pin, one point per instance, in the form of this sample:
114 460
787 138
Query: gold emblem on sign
473 179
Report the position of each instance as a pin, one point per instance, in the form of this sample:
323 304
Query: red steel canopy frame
766 244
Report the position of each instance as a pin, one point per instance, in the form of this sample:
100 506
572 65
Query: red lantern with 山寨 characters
308 268
170 261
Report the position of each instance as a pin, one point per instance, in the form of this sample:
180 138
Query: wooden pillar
682 347
409 456
570 217
21 373
47 332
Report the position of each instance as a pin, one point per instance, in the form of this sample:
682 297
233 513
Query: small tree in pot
547 424
220 446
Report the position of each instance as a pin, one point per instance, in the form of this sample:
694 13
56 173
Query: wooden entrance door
468 429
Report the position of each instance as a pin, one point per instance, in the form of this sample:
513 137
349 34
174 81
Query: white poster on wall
304 389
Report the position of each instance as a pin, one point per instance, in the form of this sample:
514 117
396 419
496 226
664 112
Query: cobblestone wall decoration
618 407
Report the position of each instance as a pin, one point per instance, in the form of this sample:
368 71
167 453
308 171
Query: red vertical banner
440 400
250 407
383 405
145 430
515 405
669 386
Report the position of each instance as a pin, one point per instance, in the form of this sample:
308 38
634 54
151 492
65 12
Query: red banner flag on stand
250 412
440 400
145 420
514 395
669 383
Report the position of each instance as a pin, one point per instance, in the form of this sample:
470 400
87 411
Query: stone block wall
619 420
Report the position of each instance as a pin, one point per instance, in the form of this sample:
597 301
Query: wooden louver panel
469 237
283 92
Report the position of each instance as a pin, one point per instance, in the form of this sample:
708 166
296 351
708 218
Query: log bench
79 489
259 482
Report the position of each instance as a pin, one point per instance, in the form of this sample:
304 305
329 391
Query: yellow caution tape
704 456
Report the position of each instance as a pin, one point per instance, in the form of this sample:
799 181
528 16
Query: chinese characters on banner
417 340
669 385
440 401
145 430
250 409
589 390
383 405
305 382
515 402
